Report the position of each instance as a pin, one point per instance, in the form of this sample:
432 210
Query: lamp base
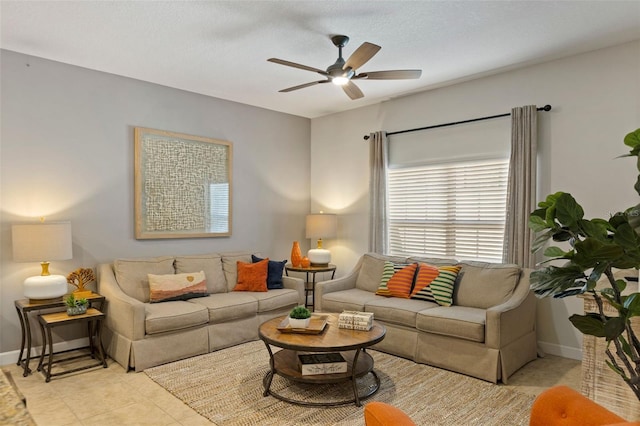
45 287
319 257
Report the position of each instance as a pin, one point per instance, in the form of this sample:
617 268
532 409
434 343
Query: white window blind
452 210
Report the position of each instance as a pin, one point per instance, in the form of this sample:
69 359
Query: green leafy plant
300 312
597 246
72 302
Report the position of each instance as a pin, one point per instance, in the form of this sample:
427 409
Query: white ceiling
220 48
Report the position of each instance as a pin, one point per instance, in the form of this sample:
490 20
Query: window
452 210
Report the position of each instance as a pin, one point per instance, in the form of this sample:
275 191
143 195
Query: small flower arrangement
76 306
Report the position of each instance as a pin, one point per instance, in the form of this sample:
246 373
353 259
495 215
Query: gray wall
67 154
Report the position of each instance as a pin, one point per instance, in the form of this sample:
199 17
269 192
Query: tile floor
113 397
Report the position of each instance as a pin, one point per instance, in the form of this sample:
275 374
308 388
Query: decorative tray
316 325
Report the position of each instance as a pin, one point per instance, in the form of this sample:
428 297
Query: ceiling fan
342 73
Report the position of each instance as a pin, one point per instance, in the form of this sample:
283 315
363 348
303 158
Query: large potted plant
596 247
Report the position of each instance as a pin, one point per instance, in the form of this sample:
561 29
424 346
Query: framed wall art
182 185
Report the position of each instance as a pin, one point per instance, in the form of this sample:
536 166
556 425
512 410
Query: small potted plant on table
76 306
299 317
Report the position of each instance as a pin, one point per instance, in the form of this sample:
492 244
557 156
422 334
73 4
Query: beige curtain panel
521 188
378 158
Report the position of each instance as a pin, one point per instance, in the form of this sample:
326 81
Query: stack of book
322 363
355 320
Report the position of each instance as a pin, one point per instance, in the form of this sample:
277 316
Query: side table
58 319
24 307
310 286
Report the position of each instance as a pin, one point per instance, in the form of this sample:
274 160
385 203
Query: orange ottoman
561 405
381 414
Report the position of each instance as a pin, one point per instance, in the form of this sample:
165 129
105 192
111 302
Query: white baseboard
11 357
560 350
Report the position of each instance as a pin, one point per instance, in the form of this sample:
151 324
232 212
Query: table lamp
43 242
321 226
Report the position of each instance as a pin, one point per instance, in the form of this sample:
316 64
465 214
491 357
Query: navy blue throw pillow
274 272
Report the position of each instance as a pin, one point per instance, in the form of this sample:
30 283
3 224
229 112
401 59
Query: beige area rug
226 387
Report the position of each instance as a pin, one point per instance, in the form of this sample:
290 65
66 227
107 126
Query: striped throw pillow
439 288
401 283
387 273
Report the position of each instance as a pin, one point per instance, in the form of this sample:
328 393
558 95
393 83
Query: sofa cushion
230 266
225 307
171 316
276 299
435 284
164 288
274 272
395 310
483 285
252 276
353 299
211 264
401 283
371 270
132 274
455 321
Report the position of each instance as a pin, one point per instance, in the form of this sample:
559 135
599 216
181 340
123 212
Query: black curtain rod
544 108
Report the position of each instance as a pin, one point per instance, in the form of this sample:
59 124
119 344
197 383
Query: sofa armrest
295 284
125 315
339 284
561 405
514 318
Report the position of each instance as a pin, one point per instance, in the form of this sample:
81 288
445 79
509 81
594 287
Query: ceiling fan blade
352 90
302 86
361 55
294 65
390 75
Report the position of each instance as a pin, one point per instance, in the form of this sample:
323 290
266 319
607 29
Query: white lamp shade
42 242
322 225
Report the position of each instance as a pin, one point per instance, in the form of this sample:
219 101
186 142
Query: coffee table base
371 390
284 364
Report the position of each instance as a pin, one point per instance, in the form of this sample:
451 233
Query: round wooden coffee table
351 344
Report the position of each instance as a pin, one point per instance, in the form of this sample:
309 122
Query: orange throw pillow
426 275
252 276
401 283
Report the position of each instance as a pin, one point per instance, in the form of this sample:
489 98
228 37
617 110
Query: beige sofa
489 331
139 334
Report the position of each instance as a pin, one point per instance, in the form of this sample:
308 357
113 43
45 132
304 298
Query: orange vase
305 262
296 255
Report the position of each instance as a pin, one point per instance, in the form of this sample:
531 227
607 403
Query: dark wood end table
25 306
310 286
57 319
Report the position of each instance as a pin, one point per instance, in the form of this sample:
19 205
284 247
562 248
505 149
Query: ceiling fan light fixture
340 81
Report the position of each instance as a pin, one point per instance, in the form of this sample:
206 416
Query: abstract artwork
182 185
